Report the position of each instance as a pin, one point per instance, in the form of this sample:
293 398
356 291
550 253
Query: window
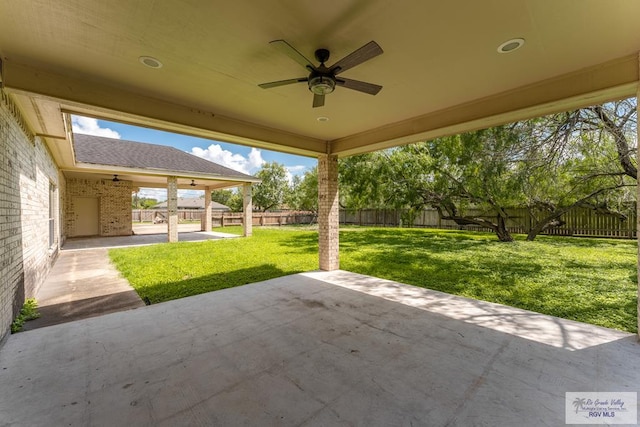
52 214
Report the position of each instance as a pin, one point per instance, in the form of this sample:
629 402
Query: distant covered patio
103 172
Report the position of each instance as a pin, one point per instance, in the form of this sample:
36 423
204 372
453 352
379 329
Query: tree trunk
501 230
500 227
537 229
544 224
534 231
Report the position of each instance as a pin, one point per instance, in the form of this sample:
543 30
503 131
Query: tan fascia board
610 81
120 170
222 186
213 186
95 99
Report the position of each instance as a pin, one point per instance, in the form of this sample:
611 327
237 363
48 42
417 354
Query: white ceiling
440 70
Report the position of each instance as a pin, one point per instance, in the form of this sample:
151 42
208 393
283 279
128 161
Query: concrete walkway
83 283
312 349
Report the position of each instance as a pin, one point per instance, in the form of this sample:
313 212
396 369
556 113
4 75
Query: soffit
439 57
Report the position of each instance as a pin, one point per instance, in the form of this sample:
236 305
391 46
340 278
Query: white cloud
255 159
297 169
160 194
190 194
238 162
294 170
90 126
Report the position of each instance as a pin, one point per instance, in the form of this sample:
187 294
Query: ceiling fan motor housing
322 55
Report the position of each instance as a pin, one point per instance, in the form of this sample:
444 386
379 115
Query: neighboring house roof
193 203
100 150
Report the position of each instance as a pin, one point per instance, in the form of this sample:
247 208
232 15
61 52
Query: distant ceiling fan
322 79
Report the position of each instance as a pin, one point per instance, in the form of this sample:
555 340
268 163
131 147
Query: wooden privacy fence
221 219
148 215
265 218
578 221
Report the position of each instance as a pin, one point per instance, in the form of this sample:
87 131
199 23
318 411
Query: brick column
172 208
247 210
328 219
206 223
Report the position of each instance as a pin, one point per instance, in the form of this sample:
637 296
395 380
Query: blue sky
244 159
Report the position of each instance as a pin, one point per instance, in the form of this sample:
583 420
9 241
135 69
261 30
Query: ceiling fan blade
365 87
292 53
357 57
318 100
282 83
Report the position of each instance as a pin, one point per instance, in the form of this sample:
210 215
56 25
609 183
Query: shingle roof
193 203
100 150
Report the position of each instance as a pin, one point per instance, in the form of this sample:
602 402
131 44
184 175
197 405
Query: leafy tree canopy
270 193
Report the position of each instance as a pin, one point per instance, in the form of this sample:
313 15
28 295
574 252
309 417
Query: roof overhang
148 179
46 98
440 70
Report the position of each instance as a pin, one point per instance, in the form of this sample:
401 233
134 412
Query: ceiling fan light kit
322 80
321 85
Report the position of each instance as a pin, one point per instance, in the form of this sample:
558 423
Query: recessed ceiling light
323 119
510 45
150 62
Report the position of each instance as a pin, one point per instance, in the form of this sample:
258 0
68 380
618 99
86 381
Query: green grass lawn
175 270
589 280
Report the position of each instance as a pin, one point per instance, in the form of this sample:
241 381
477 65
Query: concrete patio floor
312 349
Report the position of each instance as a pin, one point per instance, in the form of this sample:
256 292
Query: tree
451 174
459 174
230 198
303 194
363 180
552 164
270 193
142 202
581 158
222 196
618 119
236 202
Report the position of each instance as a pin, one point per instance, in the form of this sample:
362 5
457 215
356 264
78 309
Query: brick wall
114 204
27 176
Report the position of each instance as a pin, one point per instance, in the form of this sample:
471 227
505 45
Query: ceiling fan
322 79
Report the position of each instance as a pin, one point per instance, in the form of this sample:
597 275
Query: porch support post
328 212
247 210
206 222
638 197
172 208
